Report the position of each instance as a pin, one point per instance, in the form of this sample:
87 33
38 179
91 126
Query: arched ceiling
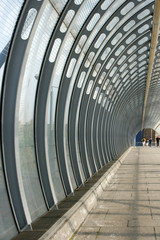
103 48
110 56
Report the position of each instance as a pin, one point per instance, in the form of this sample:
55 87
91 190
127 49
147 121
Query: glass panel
105 53
28 23
126 83
82 15
81 44
50 144
120 85
59 5
116 84
126 77
116 39
8 19
100 40
113 71
141 69
95 93
88 61
112 23
123 67
111 61
109 89
143 40
104 101
127 8
81 79
143 14
144 28
106 104
120 49
133 70
7 225
132 58
9 12
142 57
71 67
131 38
25 150
102 77
142 74
100 98
93 21
67 20
54 50
96 69
142 63
132 65
60 64
89 87
129 25
105 85
115 78
78 2
106 4
116 4
121 59
91 56
130 50
63 28
69 16
142 50
133 76
124 73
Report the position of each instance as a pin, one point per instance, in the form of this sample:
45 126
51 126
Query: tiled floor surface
129 208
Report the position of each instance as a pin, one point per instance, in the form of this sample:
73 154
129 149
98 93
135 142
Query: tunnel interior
78 80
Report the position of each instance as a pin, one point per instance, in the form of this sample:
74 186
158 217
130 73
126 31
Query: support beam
154 40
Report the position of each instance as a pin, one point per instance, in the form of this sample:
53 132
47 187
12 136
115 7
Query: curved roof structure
79 79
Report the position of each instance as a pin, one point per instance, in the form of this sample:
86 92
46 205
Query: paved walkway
129 208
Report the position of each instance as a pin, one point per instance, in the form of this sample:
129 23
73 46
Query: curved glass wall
26 140
8 19
78 92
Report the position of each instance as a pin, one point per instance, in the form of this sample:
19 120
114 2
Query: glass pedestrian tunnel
78 80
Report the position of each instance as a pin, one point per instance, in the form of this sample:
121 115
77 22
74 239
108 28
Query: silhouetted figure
150 142
157 139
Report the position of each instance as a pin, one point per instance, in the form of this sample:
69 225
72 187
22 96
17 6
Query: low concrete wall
66 226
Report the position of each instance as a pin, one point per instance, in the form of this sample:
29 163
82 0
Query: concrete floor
129 208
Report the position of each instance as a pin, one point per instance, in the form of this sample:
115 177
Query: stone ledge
69 223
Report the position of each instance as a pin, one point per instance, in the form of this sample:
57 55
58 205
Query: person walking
143 141
157 139
150 142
